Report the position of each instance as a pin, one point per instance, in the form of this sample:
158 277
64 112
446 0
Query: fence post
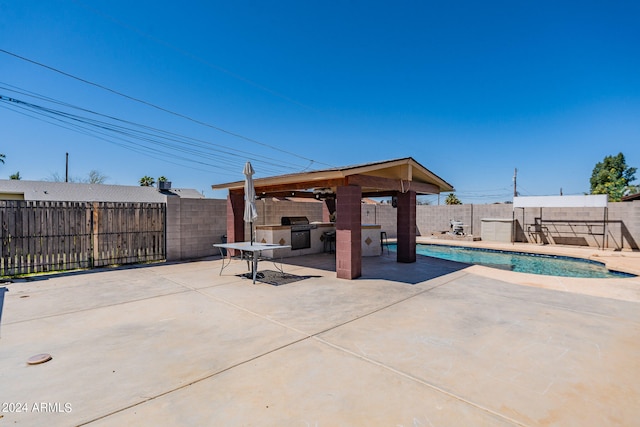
94 233
164 230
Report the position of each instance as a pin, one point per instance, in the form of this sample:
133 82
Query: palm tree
452 199
16 176
147 181
2 157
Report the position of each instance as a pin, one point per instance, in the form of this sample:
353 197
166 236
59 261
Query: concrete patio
433 343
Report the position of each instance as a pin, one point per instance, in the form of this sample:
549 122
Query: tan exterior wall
193 225
434 219
384 215
562 226
624 225
270 211
11 196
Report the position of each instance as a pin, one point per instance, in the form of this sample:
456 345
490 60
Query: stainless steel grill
300 231
294 220
301 227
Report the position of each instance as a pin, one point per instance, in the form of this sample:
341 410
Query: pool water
549 265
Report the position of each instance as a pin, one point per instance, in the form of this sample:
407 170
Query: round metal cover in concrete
39 358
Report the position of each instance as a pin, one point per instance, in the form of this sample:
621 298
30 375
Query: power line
145 141
280 163
76 128
149 104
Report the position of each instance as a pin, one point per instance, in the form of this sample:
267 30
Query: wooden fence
55 236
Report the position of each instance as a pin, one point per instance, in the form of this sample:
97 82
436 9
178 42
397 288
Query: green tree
147 181
612 177
452 199
163 179
15 176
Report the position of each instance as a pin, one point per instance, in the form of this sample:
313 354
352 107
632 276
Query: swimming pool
550 265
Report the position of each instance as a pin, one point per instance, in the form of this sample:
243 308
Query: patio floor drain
39 358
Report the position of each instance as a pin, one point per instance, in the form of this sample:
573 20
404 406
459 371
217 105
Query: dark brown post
349 232
406 220
235 221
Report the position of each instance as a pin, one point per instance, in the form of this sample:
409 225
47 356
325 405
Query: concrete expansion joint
66 313
306 336
425 383
315 335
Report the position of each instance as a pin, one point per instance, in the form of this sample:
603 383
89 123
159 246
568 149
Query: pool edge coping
552 250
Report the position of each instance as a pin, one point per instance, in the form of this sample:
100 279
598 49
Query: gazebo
342 190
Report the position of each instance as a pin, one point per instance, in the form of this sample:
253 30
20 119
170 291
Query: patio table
254 249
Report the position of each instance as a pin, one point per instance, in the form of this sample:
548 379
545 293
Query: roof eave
307 180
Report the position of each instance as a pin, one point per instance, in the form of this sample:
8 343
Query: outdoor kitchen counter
281 235
371 240
276 233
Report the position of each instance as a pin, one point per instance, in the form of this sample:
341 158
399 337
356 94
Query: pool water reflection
550 265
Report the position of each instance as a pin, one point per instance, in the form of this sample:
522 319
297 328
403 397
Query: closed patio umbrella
250 210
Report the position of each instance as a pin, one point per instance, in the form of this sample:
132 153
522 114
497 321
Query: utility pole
66 172
515 188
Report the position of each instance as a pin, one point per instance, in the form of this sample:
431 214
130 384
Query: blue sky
471 90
